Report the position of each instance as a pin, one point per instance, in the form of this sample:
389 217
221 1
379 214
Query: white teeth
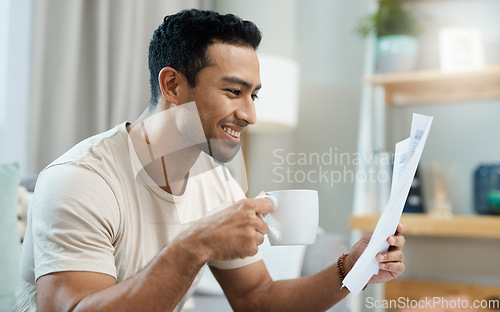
232 132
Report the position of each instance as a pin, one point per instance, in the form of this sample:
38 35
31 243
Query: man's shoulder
94 148
97 165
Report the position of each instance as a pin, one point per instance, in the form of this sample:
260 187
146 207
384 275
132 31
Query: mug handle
273 232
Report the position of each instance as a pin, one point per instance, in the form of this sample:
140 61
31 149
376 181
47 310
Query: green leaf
391 18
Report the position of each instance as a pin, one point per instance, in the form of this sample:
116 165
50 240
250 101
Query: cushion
23 201
325 252
208 285
29 182
282 262
9 235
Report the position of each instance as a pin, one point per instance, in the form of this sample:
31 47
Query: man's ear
171 81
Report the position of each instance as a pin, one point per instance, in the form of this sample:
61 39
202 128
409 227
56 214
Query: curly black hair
182 39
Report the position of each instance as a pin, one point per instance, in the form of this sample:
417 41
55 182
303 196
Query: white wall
332 59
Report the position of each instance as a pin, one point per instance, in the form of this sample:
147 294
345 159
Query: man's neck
152 134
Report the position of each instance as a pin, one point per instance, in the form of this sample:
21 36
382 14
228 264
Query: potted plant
395 28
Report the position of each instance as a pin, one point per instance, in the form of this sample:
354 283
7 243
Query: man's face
224 96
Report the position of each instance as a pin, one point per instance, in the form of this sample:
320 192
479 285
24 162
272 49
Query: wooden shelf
433 86
423 225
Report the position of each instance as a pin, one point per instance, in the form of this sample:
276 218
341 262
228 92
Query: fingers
401 228
396 242
391 256
259 238
261 226
395 267
392 261
262 205
252 209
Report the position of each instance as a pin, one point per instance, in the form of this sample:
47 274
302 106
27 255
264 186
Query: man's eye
233 91
254 97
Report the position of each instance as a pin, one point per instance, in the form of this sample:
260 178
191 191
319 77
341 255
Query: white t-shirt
91 212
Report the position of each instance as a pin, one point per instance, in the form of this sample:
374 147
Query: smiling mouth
231 132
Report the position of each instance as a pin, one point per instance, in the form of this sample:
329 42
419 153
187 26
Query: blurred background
71 69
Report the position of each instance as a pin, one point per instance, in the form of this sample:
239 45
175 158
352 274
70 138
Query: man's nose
246 111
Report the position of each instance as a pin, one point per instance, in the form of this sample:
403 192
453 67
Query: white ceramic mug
295 217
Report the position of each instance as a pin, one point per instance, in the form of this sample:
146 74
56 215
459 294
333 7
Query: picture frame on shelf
461 49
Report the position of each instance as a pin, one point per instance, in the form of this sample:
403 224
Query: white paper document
406 159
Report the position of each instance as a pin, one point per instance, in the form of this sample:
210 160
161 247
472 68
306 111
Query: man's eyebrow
240 82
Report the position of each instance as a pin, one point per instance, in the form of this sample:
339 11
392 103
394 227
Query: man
125 220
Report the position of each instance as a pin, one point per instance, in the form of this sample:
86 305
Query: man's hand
391 263
235 232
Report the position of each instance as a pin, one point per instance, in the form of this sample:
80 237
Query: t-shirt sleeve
237 263
75 218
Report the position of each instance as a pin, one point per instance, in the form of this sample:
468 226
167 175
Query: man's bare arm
233 233
251 288
158 287
256 291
